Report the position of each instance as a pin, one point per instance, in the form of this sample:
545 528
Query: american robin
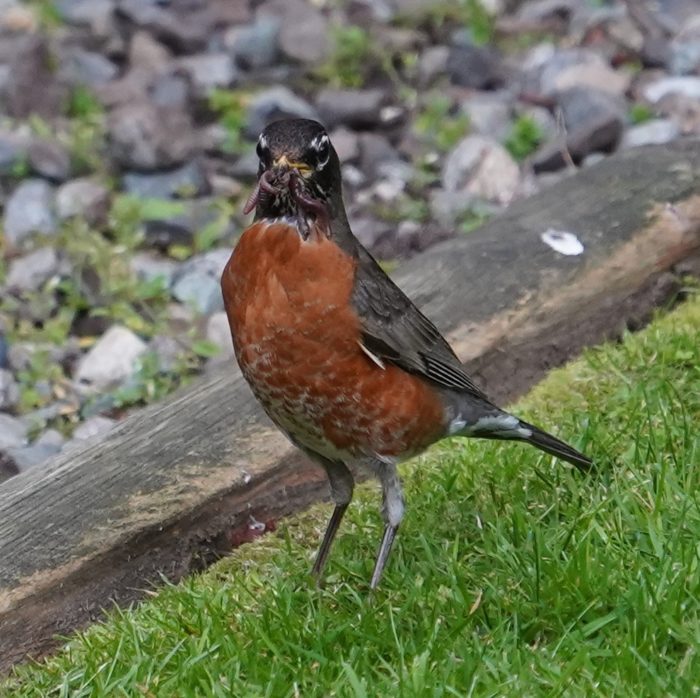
340 359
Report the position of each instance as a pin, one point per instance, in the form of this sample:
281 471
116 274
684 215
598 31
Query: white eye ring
322 146
261 147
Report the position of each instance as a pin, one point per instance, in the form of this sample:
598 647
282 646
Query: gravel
30 209
115 161
111 360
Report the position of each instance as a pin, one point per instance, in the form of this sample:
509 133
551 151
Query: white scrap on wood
563 242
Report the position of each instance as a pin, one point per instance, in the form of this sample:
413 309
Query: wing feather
395 330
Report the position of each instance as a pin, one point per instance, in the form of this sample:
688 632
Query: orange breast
296 338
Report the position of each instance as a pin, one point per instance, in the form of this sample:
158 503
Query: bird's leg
342 484
392 512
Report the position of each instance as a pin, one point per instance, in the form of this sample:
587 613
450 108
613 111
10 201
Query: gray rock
13 152
219 333
31 456
30 272
200 291
355 108
29 210
346 144
396 172
197 284
685 47
304 34
81 67
4 349
145 136
93 427
674 14
171 90
432 64
448 207
683 110
8 467
162 232
687 86
180 317
477 67
277 102
17 18
594 120
592 159
186 181
482 168
130 89
49 159
413 7
212 262
223 186
97 15
654 131
685 57
490 114
147 56
208 71
246 166
13 432
32 86
21 354
256 45
546 10
112 359
413 237
176 30
37 419
375 150
147 267
370 231
168 351
9 390
364 12
4 79
85 197
584 68
51 438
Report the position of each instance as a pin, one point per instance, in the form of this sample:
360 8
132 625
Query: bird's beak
283 163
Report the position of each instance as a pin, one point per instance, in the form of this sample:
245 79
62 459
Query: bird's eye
323 151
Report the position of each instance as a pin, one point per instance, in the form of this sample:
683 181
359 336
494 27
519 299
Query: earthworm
263 185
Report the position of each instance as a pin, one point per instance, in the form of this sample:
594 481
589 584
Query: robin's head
298 168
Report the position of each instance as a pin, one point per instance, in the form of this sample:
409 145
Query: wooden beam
175 485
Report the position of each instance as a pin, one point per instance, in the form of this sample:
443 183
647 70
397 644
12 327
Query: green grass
512 575
440 123
355 55
640 113
524 138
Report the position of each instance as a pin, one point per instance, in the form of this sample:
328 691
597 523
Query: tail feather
555 447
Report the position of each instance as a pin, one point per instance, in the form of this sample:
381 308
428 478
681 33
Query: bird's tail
555 447
490 422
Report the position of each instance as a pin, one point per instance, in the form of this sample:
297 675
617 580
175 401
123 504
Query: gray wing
394 330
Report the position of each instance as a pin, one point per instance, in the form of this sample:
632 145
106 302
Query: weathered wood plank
174 484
